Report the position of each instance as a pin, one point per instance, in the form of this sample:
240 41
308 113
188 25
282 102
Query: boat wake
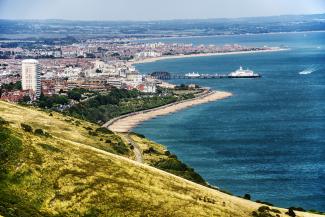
309 70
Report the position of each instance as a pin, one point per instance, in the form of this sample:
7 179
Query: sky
153 9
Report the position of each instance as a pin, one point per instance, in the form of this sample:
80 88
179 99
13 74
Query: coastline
211 36
154 59
127 122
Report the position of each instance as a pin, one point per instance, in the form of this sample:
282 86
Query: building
17 95
31 76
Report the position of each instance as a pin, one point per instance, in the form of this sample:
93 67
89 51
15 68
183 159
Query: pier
168 76
203 76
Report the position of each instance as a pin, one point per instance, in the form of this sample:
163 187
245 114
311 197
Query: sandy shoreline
154 59
128 122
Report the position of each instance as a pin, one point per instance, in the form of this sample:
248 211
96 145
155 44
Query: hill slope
67 171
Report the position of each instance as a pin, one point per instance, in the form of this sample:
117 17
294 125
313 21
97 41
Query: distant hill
141 29
54 165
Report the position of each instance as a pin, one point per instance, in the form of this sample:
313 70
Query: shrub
92 133
120 147
26 128
275 211
39 132
263 208
167 153
3 122
150 150
297 209
171 164
291 212
247 196
104 130
265 211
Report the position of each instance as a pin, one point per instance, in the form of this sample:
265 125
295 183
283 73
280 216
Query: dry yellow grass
67 175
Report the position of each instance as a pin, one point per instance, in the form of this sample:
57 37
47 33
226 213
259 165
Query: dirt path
136 149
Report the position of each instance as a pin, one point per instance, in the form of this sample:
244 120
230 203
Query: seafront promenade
127 122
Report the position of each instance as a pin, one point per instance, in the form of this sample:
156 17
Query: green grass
70 173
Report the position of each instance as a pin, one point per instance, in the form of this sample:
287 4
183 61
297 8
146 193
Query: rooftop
29 61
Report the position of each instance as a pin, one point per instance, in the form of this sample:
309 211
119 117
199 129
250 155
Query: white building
31 76
147 54
149 87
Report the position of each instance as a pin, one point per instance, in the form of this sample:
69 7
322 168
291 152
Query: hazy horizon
176 19
146 10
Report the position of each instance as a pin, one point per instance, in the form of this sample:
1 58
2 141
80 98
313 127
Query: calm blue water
267 140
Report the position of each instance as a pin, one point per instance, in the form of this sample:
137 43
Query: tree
25 99
74 94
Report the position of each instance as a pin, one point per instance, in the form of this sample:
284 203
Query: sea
268 139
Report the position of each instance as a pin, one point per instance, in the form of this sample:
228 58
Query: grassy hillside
67 171
158 156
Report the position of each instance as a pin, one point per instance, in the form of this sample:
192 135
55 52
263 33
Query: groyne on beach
127 122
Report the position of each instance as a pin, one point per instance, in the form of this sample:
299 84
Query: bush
92 133
26 128
297 209
247 196
263 208
3 122
150 150
167 153
39 132
265 211
74 94
171 164
104 130
275 211
291 212
120 148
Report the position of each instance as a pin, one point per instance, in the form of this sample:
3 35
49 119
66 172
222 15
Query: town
92 64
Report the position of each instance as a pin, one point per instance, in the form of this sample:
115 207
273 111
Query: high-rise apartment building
31 76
